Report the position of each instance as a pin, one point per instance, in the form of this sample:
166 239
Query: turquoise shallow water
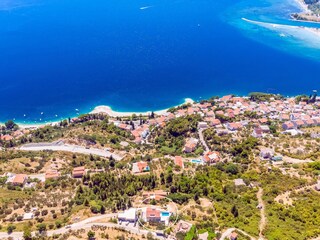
61 58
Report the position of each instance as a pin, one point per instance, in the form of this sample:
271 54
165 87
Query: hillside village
213 169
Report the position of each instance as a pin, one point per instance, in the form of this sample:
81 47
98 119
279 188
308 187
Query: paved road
200 130
58 146
85 224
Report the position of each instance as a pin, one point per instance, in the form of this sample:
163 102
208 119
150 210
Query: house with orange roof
219 112
263 120
6 137
190 145
153 215
309 122
78 172
140 167
190 111
52 174
210 114
284 117
178 161
288 125
205 105
215 122
233 236
211 157
237 100
299 123
226 98
19 180
234 126
124 126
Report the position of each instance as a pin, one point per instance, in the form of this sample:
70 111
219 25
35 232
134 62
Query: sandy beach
305 34
108 110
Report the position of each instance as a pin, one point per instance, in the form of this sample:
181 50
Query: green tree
234 211
91 235
10 228
27 233
10 125
42 227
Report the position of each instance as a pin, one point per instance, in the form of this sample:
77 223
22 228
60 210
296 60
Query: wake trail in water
146 7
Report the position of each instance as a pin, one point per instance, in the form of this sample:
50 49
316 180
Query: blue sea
60 58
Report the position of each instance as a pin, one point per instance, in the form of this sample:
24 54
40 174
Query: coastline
108 110
103 109
306 15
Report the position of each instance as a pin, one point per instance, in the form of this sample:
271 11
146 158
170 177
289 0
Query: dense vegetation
108 190
262 97
171 138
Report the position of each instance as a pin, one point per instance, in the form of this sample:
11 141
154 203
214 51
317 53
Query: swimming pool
197 161
165 214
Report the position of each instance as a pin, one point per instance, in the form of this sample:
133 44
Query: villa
152 215
155 215
18 180
190 145
211 157
140 167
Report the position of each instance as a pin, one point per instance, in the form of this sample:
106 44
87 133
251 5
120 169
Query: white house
128 215
28 216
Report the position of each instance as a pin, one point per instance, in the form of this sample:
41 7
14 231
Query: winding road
203 142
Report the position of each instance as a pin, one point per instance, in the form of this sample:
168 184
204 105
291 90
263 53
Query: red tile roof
152 213
178 161
19 179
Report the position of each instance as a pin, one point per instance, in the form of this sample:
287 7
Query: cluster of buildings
293 115
21 180
140 132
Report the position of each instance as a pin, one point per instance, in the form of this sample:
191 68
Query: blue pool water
165 214
62 58
197 161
